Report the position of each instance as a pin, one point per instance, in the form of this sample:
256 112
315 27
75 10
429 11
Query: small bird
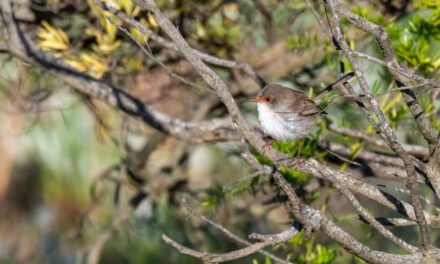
286 114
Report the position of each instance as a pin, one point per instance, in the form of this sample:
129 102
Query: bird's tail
343 79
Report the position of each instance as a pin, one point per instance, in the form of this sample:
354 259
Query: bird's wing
305 106
309 108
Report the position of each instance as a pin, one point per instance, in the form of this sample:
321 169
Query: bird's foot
266 146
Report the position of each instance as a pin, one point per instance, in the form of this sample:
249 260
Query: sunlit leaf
152 21
74 63
52 38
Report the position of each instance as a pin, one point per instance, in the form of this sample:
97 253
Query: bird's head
271 95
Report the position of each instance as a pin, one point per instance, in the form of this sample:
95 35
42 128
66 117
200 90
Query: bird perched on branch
286 114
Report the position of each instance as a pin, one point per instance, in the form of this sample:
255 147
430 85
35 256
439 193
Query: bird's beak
257 99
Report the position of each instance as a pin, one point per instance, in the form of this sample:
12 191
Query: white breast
281 128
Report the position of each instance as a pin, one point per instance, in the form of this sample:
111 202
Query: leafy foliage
51 38
315 252
302 42
417 41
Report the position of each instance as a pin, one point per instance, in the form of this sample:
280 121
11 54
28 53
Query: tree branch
236 254
415 150
170 45
23 48
396 70
384 125
221 89
230 235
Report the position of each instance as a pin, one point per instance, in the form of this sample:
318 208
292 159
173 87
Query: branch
373 222
412 149
308 216
170 45
387 221
104 237
23 48
118 220
236 254
372 256
392 67
318 19
402 79
221 89
382 165
396 70
322 171
384 126
230 235
149 54
334 231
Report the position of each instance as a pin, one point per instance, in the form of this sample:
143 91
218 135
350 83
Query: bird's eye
267 99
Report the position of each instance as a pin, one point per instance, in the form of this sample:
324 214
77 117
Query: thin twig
373 222
251 176
232 255
384 126
413 149
318 19
147 51
168 44
103 238
230 235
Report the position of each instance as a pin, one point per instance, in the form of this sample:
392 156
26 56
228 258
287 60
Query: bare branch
387 221
402 79
390 59
359 186
412 149
384 125
322 171
373 222
318 19
240 180
236 254
230 235
382 165
351 244
104 237
116 224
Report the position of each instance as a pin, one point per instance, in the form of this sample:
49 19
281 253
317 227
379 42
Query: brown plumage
286 114
287 100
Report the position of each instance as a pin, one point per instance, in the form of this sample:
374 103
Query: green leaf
324 255
295 177
267 261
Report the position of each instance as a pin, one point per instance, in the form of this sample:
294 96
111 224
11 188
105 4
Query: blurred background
70 166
